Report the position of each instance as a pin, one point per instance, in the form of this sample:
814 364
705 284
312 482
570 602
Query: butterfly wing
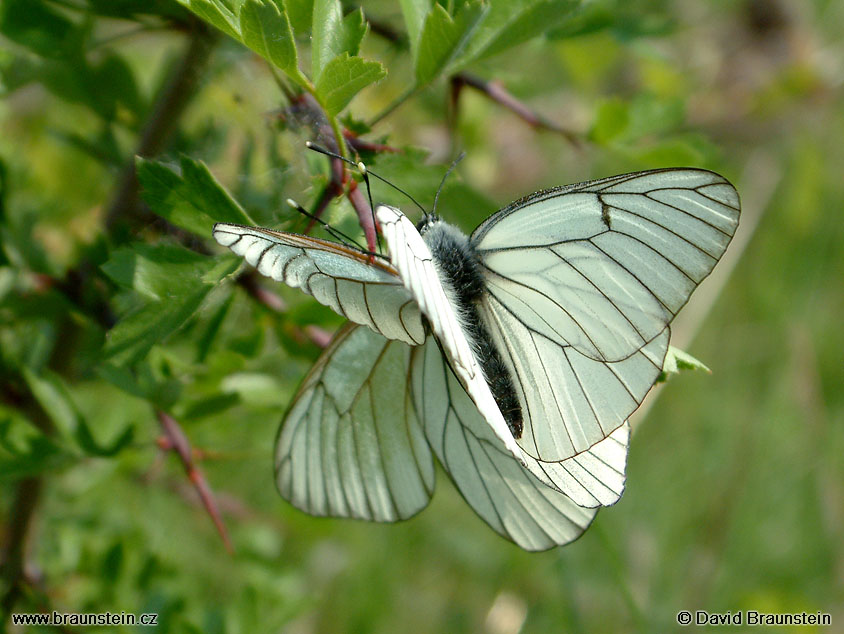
509 497
414 262
366 291
583 281
350 444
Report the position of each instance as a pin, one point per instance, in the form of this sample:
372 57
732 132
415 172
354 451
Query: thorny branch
178 442
496 91
173 98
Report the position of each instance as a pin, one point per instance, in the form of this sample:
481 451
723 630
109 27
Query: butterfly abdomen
458 266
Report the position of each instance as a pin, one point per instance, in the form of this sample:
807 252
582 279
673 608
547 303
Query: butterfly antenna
322 150
335 233
445 176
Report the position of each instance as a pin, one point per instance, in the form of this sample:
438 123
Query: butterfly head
428 221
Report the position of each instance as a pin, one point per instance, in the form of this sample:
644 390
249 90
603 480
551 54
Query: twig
365 216
27 494
172 100
178 441
386 31
361 145
495 90
22 511
249 281
268 299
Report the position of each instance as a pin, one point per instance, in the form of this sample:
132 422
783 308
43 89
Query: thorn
178 441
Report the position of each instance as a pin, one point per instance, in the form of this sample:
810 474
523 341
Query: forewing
351 445
523 503
412 258
368 292
604 266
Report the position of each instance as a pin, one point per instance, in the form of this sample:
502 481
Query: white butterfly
516 354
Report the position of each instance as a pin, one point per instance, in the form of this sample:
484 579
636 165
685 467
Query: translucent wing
582 283
605 265
351 445
412 258
368 292
506 495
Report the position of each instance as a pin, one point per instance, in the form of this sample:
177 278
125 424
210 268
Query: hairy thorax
459 269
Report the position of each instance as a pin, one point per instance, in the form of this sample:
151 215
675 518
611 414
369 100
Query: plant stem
21 514
27 494
172 100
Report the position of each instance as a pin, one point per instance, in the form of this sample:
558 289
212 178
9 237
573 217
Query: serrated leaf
54 397
443 38
326 27
193 200
333 34
162 271
414 12
141 381
216 13
677 360
343 78
134 335
266 30
508 24
354 29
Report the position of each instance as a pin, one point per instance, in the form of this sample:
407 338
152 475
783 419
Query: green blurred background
735 496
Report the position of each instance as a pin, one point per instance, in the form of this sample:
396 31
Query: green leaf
54 397
414 12
354 29
33 454
90 446
212 329
207 406
123 378
333 34
137 333
343 78
508 24
161 271
300 13
326 27
590 18
443 38
193 200
143 382
133 337
216 13
267 31
36 26
677 360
